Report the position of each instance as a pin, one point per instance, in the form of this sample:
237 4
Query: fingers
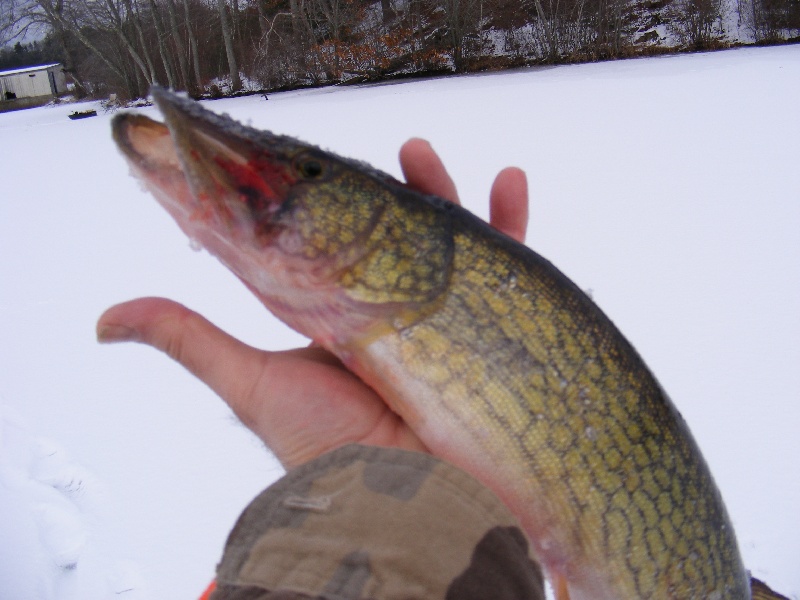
508 203
424 171
216 358
508 199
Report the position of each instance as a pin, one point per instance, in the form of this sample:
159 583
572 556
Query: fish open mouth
152 153
204 167
146 142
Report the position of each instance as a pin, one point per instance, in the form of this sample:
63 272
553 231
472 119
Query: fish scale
495 359
558 393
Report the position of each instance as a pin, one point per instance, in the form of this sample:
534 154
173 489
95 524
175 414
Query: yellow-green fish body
496 360
520 379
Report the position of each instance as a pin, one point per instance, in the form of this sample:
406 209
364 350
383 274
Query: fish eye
309 167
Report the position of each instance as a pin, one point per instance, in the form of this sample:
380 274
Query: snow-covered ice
668 186
55 524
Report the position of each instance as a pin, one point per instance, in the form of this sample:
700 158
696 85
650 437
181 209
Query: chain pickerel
497 361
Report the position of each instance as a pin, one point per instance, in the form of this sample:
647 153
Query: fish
497 361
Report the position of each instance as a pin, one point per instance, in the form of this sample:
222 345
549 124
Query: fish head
320 239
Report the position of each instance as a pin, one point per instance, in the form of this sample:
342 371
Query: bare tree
162 46
132 14
606 31
177 39
198 80
697 23
227 35
546 26
117 18
552 29
267 66
463 19
770 20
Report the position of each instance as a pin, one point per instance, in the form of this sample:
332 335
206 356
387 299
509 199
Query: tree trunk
235 29
236 81
193 46
294 8
136 58
69 61
181 49
387 12
162 48
137 24
102 55
116 18
551 43
263 21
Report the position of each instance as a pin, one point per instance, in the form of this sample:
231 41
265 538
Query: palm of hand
323 406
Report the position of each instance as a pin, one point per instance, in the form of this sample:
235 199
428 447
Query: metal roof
29 69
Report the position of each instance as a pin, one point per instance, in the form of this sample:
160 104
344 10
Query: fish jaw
208 171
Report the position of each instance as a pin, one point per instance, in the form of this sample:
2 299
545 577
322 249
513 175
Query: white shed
32 82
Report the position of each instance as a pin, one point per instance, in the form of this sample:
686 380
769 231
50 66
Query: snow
668 186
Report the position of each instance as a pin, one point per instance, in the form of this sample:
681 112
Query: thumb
218 359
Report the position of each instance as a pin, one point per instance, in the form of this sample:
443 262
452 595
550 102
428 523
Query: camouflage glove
381 524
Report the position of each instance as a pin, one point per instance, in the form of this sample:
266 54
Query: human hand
302 402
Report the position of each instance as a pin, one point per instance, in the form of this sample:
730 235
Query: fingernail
108 334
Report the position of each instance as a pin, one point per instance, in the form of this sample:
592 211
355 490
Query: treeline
25 55
202 46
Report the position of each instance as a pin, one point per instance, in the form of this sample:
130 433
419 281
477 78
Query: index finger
508 200
424 171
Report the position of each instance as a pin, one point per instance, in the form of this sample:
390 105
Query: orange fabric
207 594
560 587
